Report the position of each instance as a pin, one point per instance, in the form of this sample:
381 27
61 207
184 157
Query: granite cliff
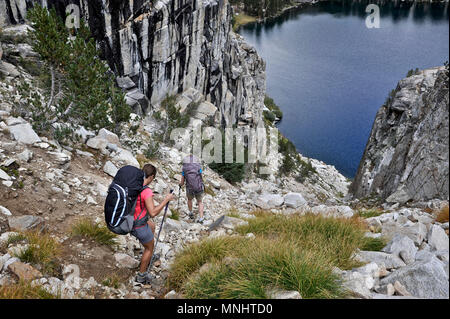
406 157
160 48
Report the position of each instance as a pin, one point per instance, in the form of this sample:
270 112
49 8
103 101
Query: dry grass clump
290 252
25 290
442 215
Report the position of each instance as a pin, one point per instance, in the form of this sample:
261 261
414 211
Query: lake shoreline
343 106
283 11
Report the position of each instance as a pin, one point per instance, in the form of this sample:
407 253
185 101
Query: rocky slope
407 155
49 186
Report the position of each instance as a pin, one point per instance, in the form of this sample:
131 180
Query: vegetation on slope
289 252
79 88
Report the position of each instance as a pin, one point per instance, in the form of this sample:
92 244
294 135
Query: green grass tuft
101 234
42 250
289 252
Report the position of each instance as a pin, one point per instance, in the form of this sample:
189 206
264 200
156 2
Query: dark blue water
330 74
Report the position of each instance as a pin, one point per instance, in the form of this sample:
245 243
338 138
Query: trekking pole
178 203
159 233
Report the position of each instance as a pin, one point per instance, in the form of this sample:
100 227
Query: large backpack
192 170
121 201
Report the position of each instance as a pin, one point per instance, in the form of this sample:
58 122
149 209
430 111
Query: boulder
232 222
8 69
333 211
403 247
372 269
109 136
400 196
4 176
294 200
172 225
25 156
61 158
400 289
125 157
437 238
282 294
125 82
423 279
389 261
97 143
205 110
3 260
173 295
24 133
5 211
25 222
126 261
110 169
269 201
84 134
358 284
417 232
23 271
137 101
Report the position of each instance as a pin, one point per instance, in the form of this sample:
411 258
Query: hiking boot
144 279
201 220
191 215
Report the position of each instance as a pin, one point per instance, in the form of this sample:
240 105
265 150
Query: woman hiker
145 233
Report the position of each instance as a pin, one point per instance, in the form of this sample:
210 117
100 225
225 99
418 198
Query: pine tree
87 93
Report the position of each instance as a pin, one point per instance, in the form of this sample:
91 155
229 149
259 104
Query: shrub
273 107
338 237
269 116
174 119
231 172
306 170
412 72
175 214
87 94
152 150
370 213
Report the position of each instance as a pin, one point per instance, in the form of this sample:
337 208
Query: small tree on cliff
82 89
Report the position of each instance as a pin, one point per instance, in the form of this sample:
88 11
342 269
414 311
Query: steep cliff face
407 155
167 47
